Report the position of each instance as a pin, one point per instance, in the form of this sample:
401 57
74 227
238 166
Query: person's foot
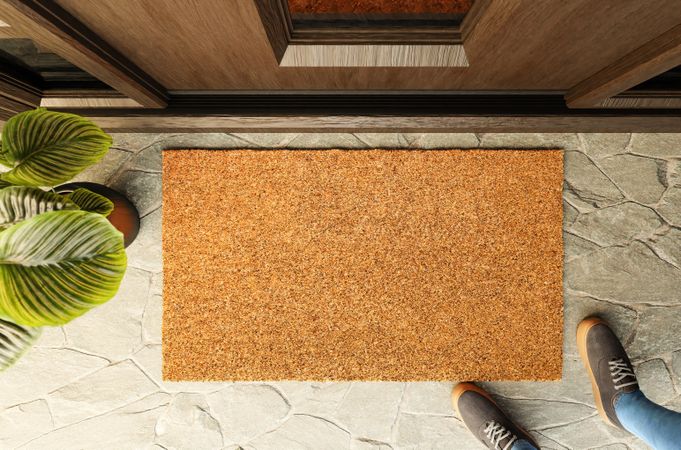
608 365
485 419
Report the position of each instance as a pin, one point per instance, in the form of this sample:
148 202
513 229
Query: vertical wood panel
516 45
651 59
51 26
20 90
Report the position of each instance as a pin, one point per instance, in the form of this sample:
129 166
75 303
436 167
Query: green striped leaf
90 201
14 341
46 148
3 159
58 265
19 203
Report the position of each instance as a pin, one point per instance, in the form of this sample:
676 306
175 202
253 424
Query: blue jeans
657 426
522 444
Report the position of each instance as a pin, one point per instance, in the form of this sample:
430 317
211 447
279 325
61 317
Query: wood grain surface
51 27
652 58
517 44
374 56
461 123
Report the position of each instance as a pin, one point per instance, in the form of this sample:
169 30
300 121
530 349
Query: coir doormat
362 265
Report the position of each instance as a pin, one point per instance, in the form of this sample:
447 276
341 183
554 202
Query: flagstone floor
96 383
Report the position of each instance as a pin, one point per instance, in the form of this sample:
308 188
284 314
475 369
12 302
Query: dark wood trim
473 17
276 25
20 89
642 123
9 106
78 91
282 32
54 28
360 103
666 82
653 58
661 91
376 36
328 113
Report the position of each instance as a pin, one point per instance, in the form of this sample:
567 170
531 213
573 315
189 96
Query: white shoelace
619 370
496 433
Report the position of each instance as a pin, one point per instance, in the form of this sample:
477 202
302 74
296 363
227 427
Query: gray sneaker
608 366
483 417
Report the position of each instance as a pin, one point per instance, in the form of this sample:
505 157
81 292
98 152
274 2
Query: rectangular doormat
362 264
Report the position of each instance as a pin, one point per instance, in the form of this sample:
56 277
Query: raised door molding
606 88
52 27
366 47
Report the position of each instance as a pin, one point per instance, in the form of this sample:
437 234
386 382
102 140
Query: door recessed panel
377 13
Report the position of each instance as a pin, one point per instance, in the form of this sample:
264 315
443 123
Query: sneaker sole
582 332
461 388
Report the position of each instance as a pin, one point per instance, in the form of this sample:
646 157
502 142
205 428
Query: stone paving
96 383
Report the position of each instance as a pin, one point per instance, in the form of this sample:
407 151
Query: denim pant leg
522 444
657 426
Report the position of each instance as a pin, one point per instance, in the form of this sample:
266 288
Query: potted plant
59 255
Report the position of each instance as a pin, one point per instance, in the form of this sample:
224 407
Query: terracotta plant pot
124 216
